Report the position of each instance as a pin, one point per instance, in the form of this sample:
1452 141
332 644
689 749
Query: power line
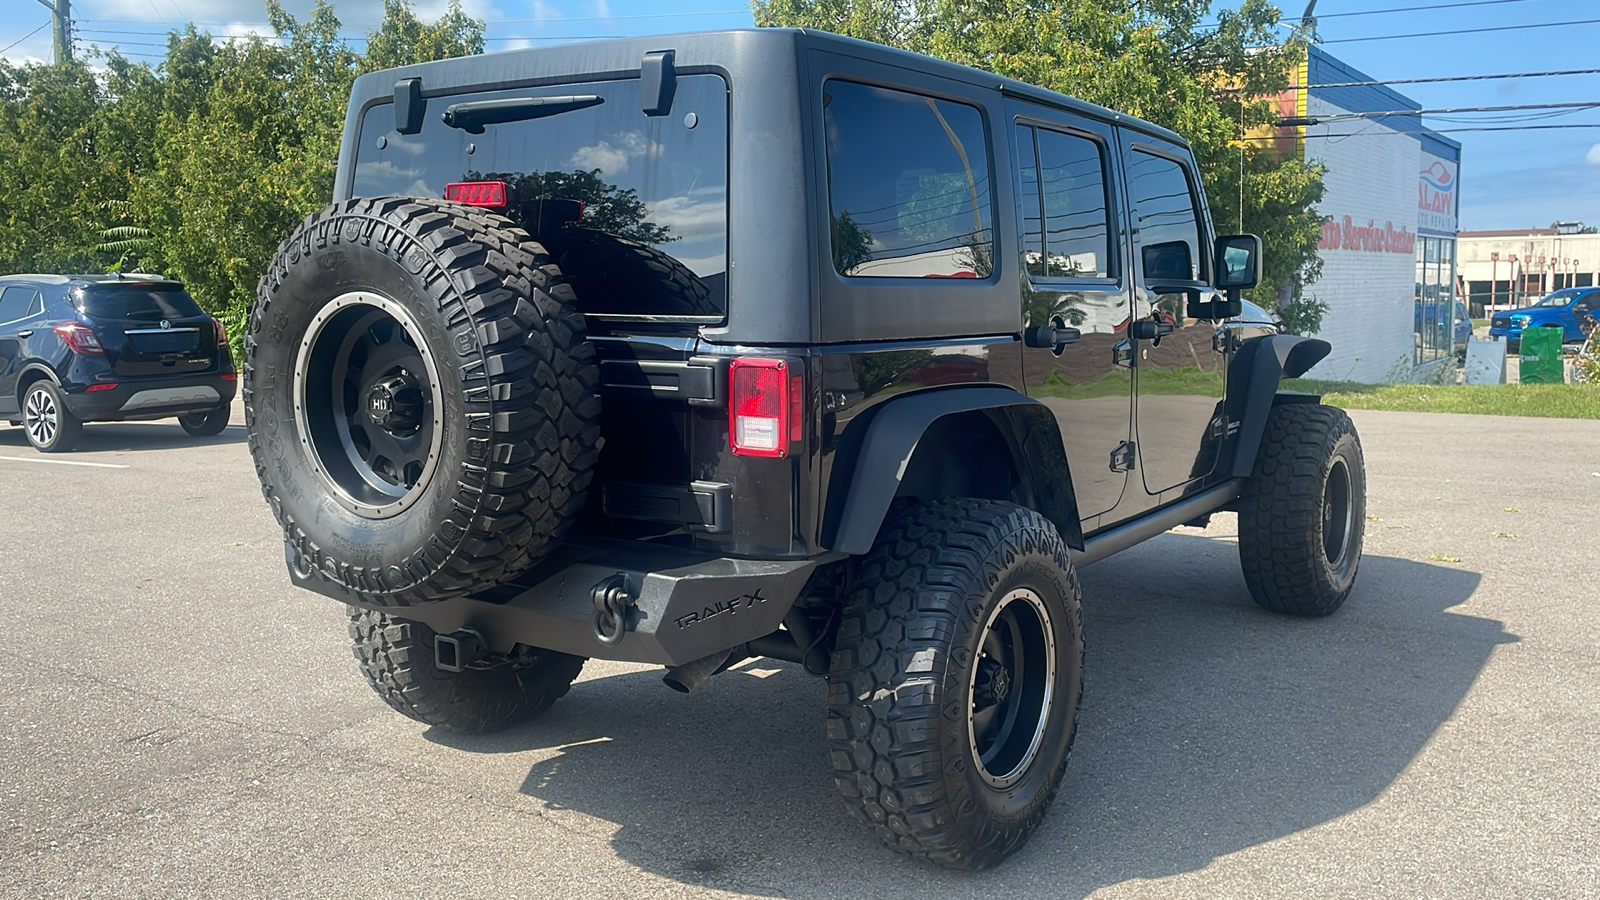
1583 104
1385 132
1441 78
25 37
1401 9
1393 37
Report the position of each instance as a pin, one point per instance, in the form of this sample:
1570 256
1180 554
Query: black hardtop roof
92 278
726 50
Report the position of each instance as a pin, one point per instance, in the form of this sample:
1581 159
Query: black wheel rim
40 417
368 404
1337 514
1012 688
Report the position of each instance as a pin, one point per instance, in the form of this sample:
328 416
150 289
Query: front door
17 304
1180 366
1075 277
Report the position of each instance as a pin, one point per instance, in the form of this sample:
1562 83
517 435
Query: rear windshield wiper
472 115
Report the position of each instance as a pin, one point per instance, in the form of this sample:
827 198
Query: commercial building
1501 269
1389 244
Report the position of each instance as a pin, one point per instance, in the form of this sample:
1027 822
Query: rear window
143 302
632 207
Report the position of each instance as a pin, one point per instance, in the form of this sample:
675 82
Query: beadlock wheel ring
354 342
1004 736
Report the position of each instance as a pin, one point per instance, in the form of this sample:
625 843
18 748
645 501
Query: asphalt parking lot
179 722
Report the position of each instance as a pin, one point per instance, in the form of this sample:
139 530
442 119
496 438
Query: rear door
1075 276
21 307
149 328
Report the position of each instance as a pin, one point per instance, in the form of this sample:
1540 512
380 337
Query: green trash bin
1541 356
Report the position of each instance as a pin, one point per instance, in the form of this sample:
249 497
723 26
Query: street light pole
60 29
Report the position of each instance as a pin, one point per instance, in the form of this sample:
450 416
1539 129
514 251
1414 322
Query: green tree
403 39
1156 59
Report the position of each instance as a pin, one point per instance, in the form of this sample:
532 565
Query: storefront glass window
1434 322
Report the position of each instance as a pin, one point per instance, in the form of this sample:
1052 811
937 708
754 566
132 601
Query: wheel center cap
993 684
395 405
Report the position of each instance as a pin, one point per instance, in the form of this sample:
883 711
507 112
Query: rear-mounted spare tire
420 397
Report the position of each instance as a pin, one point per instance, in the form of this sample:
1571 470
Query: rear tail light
222 333
476 193
102 386
764 400
80 337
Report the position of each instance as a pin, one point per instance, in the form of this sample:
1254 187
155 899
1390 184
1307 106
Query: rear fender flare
1257 369
877 447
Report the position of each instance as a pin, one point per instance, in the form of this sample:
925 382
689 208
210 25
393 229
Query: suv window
1164 212
1066 223
141 302
16 303
908 184
633 208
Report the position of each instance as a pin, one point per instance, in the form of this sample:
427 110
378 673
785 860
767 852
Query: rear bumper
152 398
686 605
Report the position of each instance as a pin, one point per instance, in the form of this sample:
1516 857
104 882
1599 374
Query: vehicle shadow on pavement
162 434
1208 726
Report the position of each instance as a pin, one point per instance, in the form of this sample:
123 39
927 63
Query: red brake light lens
476 193
102 386
763 407
80 337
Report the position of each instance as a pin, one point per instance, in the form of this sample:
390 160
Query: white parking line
63 462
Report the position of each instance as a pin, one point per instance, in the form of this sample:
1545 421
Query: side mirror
1238 263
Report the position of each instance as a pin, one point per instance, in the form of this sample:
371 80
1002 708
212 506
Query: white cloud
1593 156
613 159
701 214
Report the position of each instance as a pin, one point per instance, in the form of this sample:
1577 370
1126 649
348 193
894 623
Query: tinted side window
1064 190
1164 213
14 303
908 184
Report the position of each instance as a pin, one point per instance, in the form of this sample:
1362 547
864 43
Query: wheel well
27 379
964 455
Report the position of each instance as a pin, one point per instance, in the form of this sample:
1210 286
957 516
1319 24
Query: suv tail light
80 337
764 416
222 333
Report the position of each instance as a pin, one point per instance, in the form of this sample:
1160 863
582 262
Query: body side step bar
1102 544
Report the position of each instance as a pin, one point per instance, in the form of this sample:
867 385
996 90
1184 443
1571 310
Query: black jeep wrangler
691 349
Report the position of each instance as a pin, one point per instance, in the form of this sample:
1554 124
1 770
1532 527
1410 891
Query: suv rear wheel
421 399
1303 511
50 426
205 424
955 680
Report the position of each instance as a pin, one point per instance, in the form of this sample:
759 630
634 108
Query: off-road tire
1288 516
397 657
205 424
517 398
64 429
901 680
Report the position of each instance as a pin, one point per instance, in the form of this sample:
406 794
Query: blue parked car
1562 309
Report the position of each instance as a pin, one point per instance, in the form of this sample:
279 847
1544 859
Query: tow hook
612 600
458 650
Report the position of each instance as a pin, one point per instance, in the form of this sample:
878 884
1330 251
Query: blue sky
1509 179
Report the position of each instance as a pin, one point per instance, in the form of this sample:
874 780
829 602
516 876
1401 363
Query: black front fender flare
1253 378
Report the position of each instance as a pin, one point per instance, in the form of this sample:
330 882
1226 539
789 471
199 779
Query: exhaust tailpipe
690 675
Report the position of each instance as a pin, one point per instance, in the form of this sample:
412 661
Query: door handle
28 333
1055 336
1149 329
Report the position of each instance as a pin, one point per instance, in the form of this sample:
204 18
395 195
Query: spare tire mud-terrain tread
1280 511
528 386
397 656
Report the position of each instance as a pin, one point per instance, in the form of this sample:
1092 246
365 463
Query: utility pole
60 28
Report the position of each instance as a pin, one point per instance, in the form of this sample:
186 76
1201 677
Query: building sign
1371 237
1436 194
